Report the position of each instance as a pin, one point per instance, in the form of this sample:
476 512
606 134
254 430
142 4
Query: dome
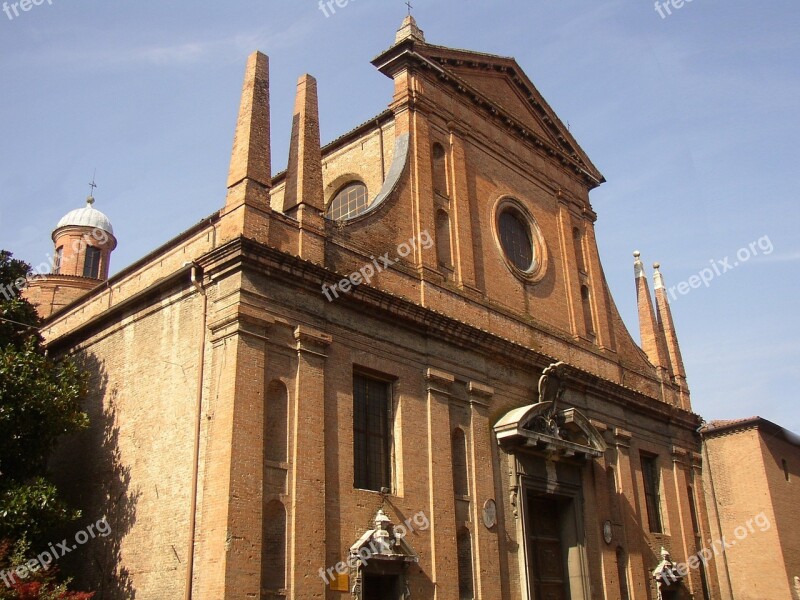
87 216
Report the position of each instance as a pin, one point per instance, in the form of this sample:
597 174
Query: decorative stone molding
680 455
311 341
439 381
599 425
622 437
479 393
240 318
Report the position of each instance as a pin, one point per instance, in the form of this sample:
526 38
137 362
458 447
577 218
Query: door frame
577 565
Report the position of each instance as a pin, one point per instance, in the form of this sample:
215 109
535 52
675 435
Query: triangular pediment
500 83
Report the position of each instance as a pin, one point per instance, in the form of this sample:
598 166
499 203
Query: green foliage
32 508
40 400
12 306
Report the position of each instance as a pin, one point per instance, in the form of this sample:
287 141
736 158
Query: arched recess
439 160
577 240
443 244
586 301
465 581
276 411
458 445
622 573
613 495
273 551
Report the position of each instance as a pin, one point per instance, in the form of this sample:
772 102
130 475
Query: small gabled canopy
385 543
666 573
540 427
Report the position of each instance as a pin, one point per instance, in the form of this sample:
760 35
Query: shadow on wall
89 470
651 554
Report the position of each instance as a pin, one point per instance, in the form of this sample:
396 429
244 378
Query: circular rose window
516 240
520 240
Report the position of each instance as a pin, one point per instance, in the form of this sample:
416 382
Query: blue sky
692 118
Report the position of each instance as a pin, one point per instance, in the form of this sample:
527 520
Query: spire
304 173
667 330
648 327
250 158
409 30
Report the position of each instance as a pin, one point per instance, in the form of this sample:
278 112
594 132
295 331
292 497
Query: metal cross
93 185
410 6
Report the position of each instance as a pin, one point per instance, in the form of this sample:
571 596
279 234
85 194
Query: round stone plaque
608 532
489 513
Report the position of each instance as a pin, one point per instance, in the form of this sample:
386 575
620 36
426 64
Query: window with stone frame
652 496
372 432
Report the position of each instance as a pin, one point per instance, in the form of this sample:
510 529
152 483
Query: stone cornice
301 273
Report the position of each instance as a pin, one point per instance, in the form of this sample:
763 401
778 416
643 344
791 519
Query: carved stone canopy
536 427
384 543
545 427
666 573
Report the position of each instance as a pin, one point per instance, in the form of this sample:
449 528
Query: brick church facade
393 371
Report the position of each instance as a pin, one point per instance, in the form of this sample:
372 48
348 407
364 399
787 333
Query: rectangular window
91 267
57 261
651 492
372 433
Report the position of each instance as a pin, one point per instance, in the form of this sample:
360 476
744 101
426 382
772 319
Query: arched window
273 550
276 408
465 585
587 309
443 247
350 201
459 456
439 169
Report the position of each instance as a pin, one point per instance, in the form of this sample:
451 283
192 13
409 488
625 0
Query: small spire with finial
92 187
658 278
409 29
638 267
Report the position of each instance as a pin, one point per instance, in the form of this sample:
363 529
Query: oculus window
520 240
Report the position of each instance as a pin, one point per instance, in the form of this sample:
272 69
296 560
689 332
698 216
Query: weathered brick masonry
224 448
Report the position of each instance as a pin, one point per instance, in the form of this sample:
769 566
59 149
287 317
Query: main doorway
380 587
547 560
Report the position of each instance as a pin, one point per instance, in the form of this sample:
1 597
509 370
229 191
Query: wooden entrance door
549 579
380 587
